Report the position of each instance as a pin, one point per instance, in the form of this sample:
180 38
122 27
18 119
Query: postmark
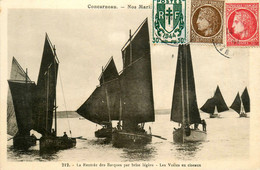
206 21
242 28
169 21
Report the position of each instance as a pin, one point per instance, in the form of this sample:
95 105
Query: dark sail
17 73
136 79
104 101
95 107
236 105
216 101
22 95
246 100
209 106
46 89
184 103
109 73
220 102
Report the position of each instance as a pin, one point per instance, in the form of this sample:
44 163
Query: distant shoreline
74 114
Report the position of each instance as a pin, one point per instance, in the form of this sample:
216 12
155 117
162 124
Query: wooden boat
102 106
34 104
136 91
19 107
45 102
215 105
105 131
184 104
241 104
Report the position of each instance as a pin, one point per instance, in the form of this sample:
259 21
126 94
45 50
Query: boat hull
243 115
56 143
195 136
214 116
24 142
122 138
103 133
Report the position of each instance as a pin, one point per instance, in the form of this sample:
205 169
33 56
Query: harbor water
227 137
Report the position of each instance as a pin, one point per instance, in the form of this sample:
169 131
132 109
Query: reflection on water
187 151
31 155
139 153
91 149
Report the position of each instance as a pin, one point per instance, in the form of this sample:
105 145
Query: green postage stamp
169 21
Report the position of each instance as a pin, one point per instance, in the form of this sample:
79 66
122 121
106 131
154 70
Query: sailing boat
184 103
103 104
215 105
241 104
136 91
45 102
19 110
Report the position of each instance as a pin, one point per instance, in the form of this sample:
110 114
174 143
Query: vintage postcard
118 85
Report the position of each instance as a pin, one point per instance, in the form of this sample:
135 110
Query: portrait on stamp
242 24
206 21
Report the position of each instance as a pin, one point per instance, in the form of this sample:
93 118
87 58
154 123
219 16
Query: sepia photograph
89 87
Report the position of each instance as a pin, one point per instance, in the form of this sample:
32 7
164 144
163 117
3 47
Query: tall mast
47 94
187 88
107 98
182 91
55 98
120 109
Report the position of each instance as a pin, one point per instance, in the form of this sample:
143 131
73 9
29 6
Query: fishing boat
215 105
184 103
19 107
241 104
102 106
136 91
45 102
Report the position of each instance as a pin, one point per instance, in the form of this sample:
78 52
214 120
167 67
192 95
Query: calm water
228 137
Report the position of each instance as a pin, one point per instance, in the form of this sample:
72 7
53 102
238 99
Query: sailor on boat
204 125
65 135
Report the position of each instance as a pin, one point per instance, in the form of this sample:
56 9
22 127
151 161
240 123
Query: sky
85 40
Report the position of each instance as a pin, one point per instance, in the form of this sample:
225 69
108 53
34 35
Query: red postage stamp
242 24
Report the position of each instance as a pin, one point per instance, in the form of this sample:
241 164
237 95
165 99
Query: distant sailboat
103 104
241 104
184 103
136 91
19 110
215 105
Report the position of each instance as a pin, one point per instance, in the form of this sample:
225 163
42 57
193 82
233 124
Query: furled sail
17 73
246 100
136 79
217 100
46 89
184 103
236 105
103 103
